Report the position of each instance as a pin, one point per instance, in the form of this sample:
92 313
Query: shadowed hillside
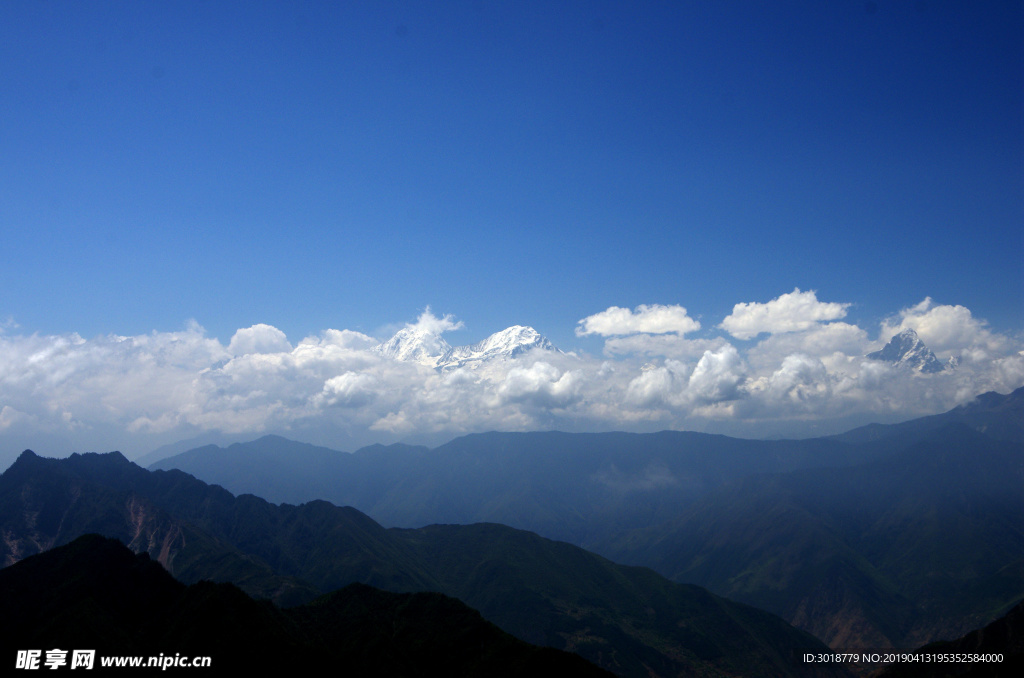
96 594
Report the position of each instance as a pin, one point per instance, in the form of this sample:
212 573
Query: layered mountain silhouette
94 593
628 620
885 536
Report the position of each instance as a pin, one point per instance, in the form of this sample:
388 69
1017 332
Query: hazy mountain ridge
996 415
692 463
631 497
573 487
926 544
528 585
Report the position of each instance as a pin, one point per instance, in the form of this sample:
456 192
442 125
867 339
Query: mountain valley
627 620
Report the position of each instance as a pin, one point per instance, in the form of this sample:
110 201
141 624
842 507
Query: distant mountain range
628 620
998 416
430 349
906 350
883 536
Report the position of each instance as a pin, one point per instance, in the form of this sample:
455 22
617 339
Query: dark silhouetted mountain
96 594
1003 637
628 620
908 351
46 503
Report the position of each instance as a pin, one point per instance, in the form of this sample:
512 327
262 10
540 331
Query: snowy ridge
429 349
508 343
907 350
414 345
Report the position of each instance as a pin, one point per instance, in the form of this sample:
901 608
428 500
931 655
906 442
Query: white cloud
259 339
833 343
343 339
541 383
156 388
659 385
948 330
653 319
668 345
431 324
820 340
350 389
11 417
790 312
718 376
799 380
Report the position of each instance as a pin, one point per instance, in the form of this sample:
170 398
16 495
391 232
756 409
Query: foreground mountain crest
95 593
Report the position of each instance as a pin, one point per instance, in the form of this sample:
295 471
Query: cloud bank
137 392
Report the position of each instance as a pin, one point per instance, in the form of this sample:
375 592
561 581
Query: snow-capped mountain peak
907 350
430 349
415 345
507 343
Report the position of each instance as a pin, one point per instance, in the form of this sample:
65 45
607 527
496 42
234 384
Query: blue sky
345 165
